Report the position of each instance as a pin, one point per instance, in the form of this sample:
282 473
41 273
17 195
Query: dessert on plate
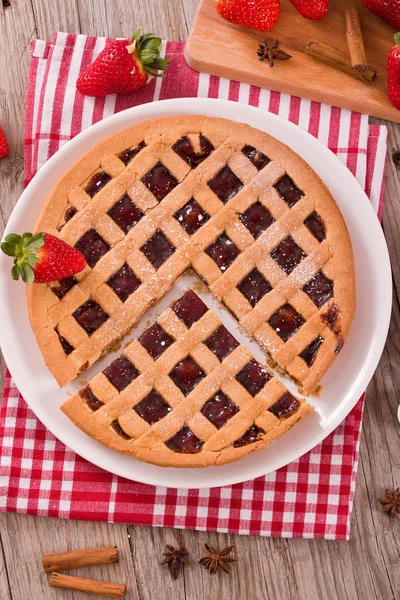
185 394
245 212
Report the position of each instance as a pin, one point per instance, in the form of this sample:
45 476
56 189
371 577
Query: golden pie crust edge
155 451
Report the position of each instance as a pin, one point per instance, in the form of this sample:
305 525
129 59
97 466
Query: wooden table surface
366 567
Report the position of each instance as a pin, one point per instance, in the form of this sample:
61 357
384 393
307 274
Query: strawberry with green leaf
124 66
42 258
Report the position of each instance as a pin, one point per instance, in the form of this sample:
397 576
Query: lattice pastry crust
185 394
247 213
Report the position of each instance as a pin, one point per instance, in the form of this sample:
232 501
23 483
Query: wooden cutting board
220 48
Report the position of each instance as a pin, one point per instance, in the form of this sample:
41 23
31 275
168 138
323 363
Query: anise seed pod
175 558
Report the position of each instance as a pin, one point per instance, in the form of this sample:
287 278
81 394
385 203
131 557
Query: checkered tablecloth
311 497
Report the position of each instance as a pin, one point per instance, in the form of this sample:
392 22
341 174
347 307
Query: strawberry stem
23 249
397 38
146 50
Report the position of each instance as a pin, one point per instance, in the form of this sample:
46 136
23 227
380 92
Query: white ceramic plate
344 383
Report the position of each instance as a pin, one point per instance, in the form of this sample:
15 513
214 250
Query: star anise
216 560
175 558
271 53
391 502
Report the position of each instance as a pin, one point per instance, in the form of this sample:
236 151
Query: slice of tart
186 393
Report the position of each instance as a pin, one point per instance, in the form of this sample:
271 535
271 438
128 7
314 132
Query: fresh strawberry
4 151
261 15
311 9
393 68
42 257
123 66
388 10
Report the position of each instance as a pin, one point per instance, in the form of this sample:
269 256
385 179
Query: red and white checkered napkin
311 497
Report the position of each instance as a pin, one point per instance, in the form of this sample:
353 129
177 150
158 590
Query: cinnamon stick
355 40
58 561
337 59
90 586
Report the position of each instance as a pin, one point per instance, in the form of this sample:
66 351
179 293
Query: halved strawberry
42 258
123 66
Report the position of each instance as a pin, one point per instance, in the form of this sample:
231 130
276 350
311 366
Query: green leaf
147 59
154 73
27 273
8 249
160 63
26 237
151 44
31 258
146 36
15 273
149 52
36 241
136 36
13 238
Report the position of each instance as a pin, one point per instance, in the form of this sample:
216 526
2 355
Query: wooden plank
55 15
373 533
153 580
233 54
119 19
17 26
246 580
391 214
31 537
4 578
